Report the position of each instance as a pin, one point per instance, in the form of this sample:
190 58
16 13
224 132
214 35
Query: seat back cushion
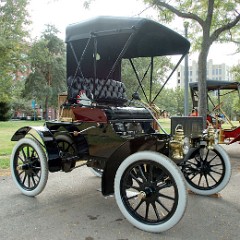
102 91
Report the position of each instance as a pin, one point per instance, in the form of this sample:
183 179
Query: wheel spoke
28 152
142 174
24 155
20 173
147 211
150 173
212 159
29 181
159 178
33 153
193 163
139 204
165 196
33 180
135 178
194 175
198 158
163 206
212 178
20 158
216 165
191 168
205 176
24 179
132 197
166 184
219 173
156 211
200 178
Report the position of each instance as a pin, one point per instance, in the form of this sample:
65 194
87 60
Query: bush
4 111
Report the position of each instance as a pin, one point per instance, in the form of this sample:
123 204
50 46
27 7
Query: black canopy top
150 38
213 85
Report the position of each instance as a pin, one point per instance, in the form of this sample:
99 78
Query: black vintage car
118 138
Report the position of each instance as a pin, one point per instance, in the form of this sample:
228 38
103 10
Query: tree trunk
46 108
202 77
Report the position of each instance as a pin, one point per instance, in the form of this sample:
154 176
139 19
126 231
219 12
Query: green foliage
216 16
47 79
13 36
235 104
172 100
162 65
4 111
236 72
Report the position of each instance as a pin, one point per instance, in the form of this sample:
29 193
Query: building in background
214 72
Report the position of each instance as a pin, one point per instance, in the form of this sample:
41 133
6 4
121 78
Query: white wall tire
29 167
150 179
208 172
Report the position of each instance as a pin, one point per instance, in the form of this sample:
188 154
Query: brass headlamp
177 144
210 138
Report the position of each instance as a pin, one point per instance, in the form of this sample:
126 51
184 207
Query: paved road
71 207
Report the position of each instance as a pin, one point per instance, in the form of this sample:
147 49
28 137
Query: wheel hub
24 167
205 167
147 193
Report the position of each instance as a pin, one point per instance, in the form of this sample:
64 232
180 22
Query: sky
64 12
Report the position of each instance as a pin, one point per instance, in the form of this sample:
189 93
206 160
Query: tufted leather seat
109 92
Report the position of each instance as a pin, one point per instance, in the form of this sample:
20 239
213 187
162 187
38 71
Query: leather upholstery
110 92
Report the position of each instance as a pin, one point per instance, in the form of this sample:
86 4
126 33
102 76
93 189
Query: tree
211 21
47 57
13 44
236 100
162 65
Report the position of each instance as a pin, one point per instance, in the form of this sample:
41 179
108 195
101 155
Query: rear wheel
29 166
66 144
150 191
68 149
207 171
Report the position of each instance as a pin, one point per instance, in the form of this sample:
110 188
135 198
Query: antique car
216 115
117 136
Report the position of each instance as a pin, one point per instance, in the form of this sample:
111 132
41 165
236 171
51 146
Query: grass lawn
7 129
165 123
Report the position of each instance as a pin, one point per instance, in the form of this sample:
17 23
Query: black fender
148 142
80 141
192 152
47 141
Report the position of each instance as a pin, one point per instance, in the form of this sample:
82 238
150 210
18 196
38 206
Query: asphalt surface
72 207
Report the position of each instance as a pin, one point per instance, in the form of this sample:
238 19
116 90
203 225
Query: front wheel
207 171
150 191
29 166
